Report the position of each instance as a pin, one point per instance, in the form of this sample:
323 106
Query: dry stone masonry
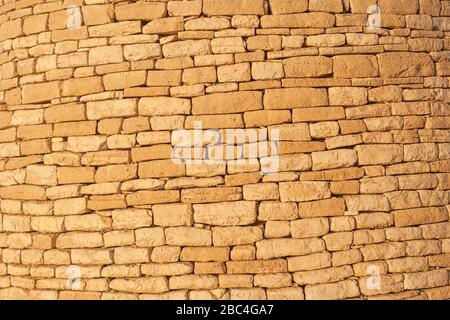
94 205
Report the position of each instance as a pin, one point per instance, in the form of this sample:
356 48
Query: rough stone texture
90 117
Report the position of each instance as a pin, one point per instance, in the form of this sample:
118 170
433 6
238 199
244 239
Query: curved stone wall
224 149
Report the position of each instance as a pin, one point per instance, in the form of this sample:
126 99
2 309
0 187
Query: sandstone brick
347 96
164 78
194 282
270 42
67 175
11 29
420 152
378 185
263 266
47 224
410 217
184 8
308 228
153 197
79 128
322 208
23 192
331 6
207 195
60 113
199 75
234 73
227 45
422 247
97 14
276 280
160 168
131 218
140 11
69 206
172 215
87 222
188 236
360 6
318 114
124 255
367 203
267 70
79 240
114 173
105 55
162 106
248 294
150 237
303 191
122 80
294 98
309 262
273 210
427 279
41 175
283 7
205 254
226 236
186 48
111 108
323 276
360 39
142 51
275 248
379 154
405 64
298 20
383 251
355 66
226 214
325 40
333 159
232 7
40 92
400 7
141 285
223 103
300 67
172 269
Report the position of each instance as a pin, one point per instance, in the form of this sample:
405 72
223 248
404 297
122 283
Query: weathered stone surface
232 7
304 191
231 236
222 103
140 285
308 67
334 159
274 248
41 92
411 217
226 213
379 154
322 208
294 98
299 20
288 6
404 64
355 66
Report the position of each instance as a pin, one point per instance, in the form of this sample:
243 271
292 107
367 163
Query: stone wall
100 193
